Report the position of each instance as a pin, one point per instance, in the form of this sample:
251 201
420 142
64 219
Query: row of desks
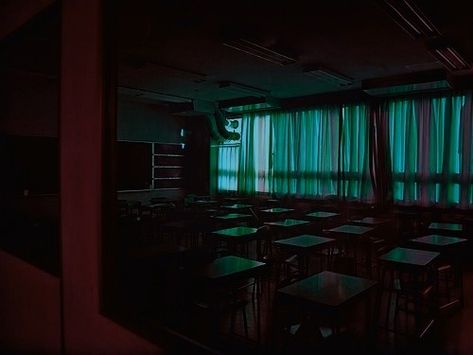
327 290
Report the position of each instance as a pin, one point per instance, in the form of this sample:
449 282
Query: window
228 154
318 152
430 150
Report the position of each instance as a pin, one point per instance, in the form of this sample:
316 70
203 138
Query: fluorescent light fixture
256 50
151 95
328 75
410 18
242 89
449 57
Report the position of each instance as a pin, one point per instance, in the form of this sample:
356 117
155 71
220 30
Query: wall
29 308
140 121
29 105
82 128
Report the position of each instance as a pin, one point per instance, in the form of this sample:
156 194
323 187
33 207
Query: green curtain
303 153
255 154
354 153
426 142
227 174
427 150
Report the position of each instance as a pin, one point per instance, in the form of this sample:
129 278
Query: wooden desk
322 214
233 216
228 272
450 252
439 241
238 206
409 257
303 245
410 264
323 220
287 227
235 198
351 230
236 232
287 223
277 210
371 221
329 294
236 235
204 202
447 227
327 289
229 267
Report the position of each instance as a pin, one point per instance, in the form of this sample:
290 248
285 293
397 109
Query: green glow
426 150
325 152
298 153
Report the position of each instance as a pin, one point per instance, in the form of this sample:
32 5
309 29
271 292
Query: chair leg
245 321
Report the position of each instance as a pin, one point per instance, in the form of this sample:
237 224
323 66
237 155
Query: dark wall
196 171
144 122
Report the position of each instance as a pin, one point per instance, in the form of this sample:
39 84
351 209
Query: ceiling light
448 55
411 19
242 89
328 75
256 50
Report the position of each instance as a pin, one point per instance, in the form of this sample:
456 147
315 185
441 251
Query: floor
452 332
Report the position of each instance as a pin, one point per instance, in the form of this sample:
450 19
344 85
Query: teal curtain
255 154
354 153
309 153
227 173
305 152
416 150
430 153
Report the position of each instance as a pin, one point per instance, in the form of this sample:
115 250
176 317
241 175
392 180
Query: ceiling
176 47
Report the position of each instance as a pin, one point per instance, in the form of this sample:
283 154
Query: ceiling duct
419 82
215 117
